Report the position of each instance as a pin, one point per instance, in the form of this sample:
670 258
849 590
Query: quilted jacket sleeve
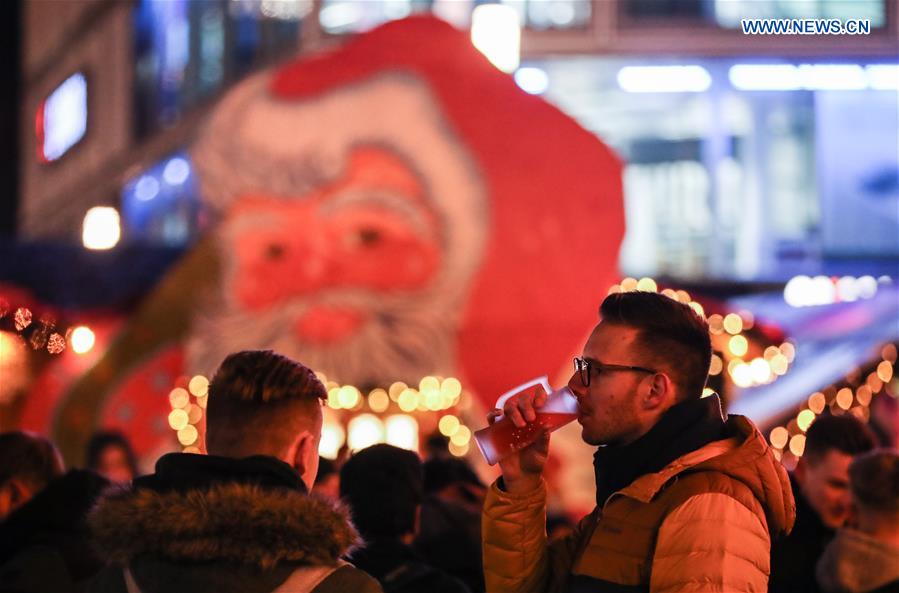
516 557
711 543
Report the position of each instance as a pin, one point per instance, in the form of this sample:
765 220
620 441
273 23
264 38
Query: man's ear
298 451
658 393
13 494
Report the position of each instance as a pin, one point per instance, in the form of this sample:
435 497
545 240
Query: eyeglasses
582 366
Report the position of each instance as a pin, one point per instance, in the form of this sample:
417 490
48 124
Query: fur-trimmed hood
240 521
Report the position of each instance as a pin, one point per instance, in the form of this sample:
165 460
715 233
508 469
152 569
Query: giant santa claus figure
393 209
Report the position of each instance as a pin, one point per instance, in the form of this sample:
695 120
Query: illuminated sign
61 119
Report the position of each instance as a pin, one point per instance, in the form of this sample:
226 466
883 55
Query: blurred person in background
450 533
327 479
43 535
110 454
238 519
383 487
821 488
865 558
686 500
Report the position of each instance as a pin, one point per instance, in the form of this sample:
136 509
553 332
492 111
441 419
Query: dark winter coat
44 543
793 557
400 569
214 524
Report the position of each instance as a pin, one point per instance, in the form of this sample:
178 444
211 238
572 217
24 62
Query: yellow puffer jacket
702 523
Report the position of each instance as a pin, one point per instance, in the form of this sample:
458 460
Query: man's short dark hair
383 487
846 434
670 332
258 402
28 457
874 480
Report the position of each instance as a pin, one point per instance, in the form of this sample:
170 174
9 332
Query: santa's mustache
403 339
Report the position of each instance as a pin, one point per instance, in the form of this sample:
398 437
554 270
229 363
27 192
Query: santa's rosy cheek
368 252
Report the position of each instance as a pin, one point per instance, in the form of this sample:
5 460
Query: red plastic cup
503 438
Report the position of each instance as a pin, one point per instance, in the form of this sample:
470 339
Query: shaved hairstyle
258 402
674 337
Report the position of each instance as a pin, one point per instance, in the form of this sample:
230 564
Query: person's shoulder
348 578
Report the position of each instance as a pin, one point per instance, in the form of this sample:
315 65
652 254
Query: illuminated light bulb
779 364
788 350
670 293
178 419
457 450
742 375
697 308
629 284
364 431
716 323
333 437
733 323
779 437
408 400
888 353
614 289
874 382
199 385
683 296
707 392
179 398
82 339
461 436
448 425
716 366
192 449
816 402
202 401
348 396
451 387
188 435
738 345
194 414
402 431
844 398
333 398
885 371
428 384
805 419
761 372
647 285
863 395
176 171
378 400
432 400
496 32
533 81
797 445
664 79
101 228
396 389
770 352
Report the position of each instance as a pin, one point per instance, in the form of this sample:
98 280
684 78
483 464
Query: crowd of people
687 499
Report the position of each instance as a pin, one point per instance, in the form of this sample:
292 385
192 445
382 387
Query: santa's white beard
402 340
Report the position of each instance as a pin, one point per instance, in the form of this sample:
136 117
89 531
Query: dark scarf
685 427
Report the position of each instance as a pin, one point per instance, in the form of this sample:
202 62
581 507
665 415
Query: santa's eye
369 236
274 251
